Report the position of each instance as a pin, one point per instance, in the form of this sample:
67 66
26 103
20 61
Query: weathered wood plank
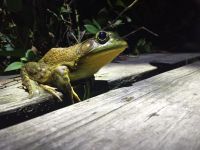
16 106
131 66
123 72
14 100
175 59
161 112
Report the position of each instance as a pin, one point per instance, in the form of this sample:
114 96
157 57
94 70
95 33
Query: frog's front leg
60 79
35 77
31 85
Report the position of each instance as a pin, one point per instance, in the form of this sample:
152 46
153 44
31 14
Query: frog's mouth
98 58
90 64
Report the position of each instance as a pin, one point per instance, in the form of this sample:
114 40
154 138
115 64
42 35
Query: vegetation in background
30 55
46 24
39 25
142 46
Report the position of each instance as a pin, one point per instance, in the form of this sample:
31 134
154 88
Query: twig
122 12
77 41
7 40
138 29
70 3
77 22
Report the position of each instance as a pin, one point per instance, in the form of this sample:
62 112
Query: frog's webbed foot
51 90
62 82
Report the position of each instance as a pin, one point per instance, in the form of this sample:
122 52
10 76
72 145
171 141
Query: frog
61 66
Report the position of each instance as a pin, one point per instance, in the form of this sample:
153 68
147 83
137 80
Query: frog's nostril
125 43
122 42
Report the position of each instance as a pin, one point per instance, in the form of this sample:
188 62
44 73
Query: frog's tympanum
60 66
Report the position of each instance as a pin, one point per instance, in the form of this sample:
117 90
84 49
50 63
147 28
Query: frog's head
102 44
98 51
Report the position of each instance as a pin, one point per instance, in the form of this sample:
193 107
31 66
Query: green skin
60 66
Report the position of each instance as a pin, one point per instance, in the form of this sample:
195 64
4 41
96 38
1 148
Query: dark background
176 21
27 23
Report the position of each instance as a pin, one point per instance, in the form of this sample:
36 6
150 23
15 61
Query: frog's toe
52 91
34 93
75 97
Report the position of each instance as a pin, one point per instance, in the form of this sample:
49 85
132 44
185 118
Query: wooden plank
161 112
14 101
128 66
16 106
173 59
124 72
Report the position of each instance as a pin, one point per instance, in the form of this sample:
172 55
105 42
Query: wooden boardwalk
161 112
133 67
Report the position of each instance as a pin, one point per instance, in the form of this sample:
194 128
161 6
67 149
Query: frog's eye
102 37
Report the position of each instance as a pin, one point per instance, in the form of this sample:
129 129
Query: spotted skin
60 66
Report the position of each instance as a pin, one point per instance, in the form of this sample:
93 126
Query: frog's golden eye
102 37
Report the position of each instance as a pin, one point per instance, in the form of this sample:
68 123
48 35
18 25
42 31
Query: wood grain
173 59
161 112
130 68
15 105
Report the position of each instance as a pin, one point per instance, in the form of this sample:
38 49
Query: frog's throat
91 63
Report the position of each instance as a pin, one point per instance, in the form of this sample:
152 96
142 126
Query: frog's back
59 55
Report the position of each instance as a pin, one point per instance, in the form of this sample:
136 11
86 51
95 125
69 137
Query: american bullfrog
59 66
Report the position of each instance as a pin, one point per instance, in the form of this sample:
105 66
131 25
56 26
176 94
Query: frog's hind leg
62 82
